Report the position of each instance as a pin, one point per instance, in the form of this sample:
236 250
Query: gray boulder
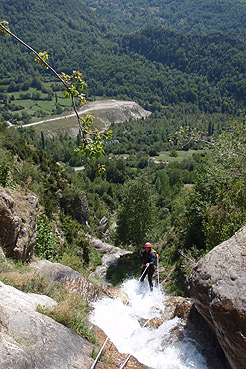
110 256
18 225
218 286
31 340
75 282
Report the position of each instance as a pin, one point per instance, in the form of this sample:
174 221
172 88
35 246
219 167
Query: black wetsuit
145 258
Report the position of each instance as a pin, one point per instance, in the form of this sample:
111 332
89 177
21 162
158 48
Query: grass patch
71 310
27 104
62 123
45 104
181 155
56 124
23 278
102 358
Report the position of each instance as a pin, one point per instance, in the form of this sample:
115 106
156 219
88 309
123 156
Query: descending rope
143 273
99 354
158 274
126 361
106 340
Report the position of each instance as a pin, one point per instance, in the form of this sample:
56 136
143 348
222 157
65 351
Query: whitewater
156 348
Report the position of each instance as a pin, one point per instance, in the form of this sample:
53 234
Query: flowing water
156 348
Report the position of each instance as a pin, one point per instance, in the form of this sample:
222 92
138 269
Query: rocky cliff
18 224
218 286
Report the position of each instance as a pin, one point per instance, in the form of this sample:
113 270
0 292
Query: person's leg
150 274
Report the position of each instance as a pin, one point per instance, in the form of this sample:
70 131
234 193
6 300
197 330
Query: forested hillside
197 81
187 16
154 66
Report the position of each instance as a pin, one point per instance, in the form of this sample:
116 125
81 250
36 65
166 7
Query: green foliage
154 66
74 203
47 246
5 176
136 214
173 153
92 147
224 218
221 181
5 24
188 16
212 210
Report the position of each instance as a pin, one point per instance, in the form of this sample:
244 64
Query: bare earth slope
104 111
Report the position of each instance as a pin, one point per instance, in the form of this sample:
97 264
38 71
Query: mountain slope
66 29
220 58
185 15
154 66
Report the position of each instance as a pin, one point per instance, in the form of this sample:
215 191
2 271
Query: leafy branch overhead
92 140
228 150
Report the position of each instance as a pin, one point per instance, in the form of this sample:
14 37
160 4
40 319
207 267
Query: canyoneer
148 258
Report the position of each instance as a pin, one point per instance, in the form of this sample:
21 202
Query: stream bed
166 347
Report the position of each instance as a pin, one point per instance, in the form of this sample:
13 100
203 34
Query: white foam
121 324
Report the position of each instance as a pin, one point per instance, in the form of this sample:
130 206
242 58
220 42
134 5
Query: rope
143 273
125 362
106 340
99 354
158 275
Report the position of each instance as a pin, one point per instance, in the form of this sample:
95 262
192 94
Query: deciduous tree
135 217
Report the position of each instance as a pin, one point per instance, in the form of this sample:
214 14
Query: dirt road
96 106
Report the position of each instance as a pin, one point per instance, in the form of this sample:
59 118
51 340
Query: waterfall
167 347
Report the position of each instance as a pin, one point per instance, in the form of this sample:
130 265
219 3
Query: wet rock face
18 224
218 287
174 306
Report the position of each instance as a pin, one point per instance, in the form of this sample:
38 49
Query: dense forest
194 79
187 15
155 66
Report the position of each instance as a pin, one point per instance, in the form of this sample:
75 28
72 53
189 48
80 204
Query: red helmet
147 244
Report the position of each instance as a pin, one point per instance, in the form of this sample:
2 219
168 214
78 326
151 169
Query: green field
165 156
43 105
